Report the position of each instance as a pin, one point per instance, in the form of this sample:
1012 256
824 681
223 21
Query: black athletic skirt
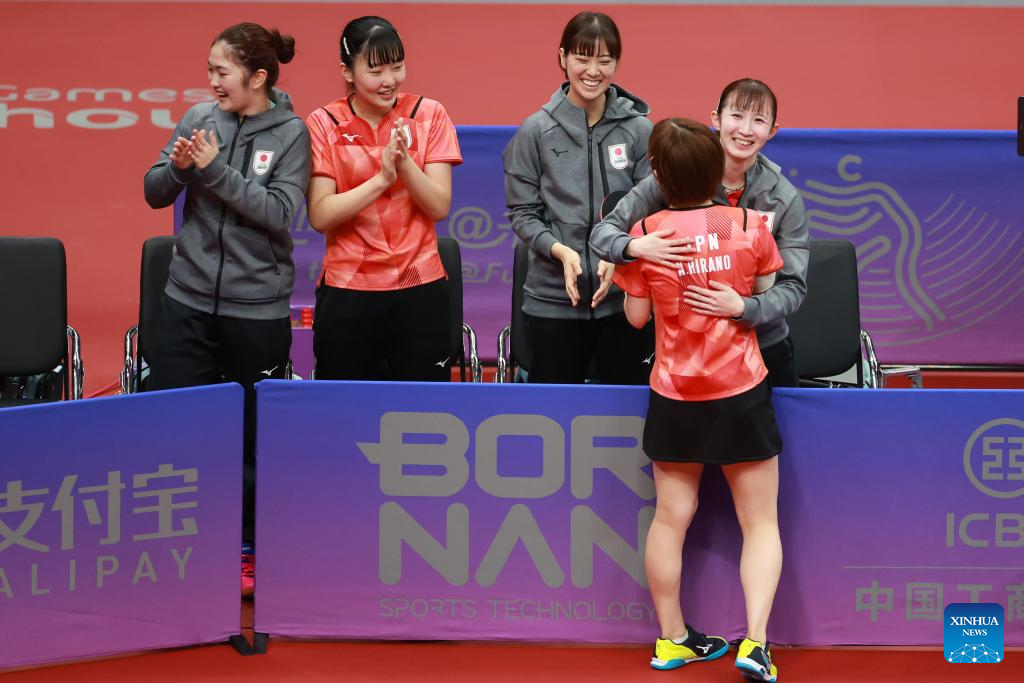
728 430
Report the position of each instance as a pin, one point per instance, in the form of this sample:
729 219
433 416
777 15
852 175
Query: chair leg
128 371
873 378
75 367
504 357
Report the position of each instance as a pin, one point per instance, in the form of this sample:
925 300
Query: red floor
496 663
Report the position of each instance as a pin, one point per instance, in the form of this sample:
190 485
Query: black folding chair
463 336
156 262
827 337
513 348
40 354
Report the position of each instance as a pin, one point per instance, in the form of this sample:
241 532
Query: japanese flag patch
769 220
261 161
617 156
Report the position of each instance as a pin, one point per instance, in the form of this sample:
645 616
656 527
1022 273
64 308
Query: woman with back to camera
243 162
746 119
588 141
382 176
710 400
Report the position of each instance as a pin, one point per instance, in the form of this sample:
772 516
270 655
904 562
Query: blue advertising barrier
120 524
520 512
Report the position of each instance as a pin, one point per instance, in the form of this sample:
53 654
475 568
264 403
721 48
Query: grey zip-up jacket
557 171
233 255
766 190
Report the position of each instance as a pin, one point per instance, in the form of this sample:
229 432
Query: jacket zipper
590 224
604 169
220 225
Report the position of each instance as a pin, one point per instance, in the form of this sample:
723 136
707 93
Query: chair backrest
826 327
33 305
451 259
518 348
156 262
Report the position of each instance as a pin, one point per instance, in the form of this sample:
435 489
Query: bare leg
755 493
676 485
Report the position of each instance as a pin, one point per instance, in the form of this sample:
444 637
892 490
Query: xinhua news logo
973 633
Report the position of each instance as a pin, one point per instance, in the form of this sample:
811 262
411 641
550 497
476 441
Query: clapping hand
201 150
390 157
398 135
179 154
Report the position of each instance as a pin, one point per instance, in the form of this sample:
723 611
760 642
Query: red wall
832 67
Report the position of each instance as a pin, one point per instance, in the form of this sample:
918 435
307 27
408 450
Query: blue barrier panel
419 511
120 524
896 503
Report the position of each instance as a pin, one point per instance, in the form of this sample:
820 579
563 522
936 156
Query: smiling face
589 76
236 90
744 132
376 86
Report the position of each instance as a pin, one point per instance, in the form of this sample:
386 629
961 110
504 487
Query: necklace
734 189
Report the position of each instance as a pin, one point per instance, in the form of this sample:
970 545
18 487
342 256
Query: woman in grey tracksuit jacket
233 255
765 189
557 171
225 312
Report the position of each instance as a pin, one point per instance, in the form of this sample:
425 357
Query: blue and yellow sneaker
696 647
754 660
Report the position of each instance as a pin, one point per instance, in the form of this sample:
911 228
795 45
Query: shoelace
694 633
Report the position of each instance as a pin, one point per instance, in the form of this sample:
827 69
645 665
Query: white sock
681 639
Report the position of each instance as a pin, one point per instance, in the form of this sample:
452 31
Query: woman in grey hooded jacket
588 141
746 119
243 162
